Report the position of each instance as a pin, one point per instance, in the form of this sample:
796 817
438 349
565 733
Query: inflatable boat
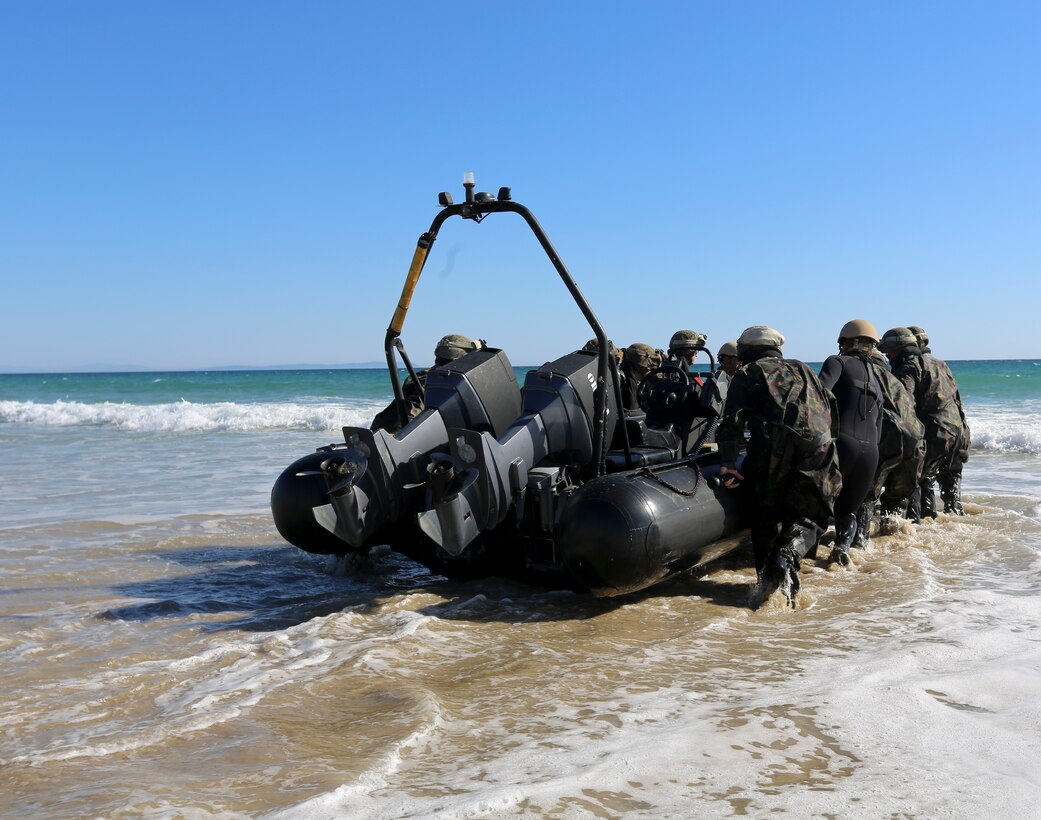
550 482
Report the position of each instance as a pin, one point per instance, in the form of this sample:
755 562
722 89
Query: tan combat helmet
896 339
641 355
687 340
759 336
727 349
858 329
454 346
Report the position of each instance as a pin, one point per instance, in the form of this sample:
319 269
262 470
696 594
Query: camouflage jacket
936 398
902 432
966 439
789 414
389 419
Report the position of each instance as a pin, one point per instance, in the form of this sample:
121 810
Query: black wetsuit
859 398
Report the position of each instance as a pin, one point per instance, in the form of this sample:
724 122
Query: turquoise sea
65 399
163 653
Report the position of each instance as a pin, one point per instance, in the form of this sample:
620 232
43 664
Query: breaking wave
186 416
1004 431
994 428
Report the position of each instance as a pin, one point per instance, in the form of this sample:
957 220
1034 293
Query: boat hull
615 534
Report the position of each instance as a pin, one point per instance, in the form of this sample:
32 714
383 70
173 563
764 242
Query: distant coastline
129 368
7 370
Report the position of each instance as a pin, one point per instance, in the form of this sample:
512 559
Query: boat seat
642 457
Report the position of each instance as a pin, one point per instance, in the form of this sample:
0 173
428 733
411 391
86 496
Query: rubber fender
297 491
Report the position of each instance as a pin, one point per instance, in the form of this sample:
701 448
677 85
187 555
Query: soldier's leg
764 530
872 504
804 498
900 482
845 532
848 499
938 448
949 479
900 498
859 460
927 498
950 492
770 536
862 540
879 509
914 506
796 541
897 493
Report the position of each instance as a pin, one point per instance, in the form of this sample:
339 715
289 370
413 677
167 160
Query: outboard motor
473 488
374 477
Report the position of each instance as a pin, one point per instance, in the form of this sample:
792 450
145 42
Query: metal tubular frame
476 210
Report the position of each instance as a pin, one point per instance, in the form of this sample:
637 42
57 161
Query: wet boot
892 514
782 568
928 508
845 531
780 573
861 539
950 492
874 517
914 507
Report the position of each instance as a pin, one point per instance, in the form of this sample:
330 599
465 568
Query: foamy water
163 653
186 416
994 428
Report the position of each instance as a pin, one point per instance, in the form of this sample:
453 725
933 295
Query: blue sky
185 185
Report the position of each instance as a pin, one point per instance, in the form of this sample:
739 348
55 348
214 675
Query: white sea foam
995 428
186 416
953 698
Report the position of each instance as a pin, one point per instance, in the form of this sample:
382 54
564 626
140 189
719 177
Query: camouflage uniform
902 447
641 356
791 463
448 349
937 406
949 474
389 419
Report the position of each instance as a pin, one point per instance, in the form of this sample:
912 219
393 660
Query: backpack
902 432
800 419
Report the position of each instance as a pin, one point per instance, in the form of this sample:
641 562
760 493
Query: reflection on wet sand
201 657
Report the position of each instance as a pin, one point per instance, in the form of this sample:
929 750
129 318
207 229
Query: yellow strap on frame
418 261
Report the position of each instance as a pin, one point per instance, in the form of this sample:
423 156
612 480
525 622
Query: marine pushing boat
553 483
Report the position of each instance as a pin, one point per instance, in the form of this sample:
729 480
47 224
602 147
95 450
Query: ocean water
164 654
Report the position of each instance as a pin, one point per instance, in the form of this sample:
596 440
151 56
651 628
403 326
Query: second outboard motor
372 478
473 489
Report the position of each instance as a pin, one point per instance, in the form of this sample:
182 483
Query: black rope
647 472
